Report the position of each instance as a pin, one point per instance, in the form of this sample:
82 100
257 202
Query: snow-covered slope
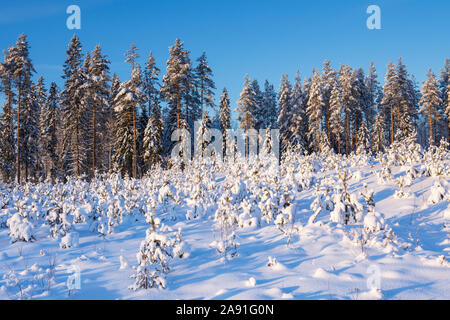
248 230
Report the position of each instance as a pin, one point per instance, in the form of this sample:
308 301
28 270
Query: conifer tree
48 133
75 115
269 115
285 113
299 124
247 105
314 109
205 84
430 101
224 116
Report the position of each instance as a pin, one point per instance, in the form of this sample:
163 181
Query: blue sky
263 38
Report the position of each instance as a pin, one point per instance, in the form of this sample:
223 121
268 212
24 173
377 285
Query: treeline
97 123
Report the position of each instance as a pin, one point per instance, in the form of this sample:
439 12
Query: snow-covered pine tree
299 123
357 115
49 125
285 113
406 101
127 99
97 99
258 112
444 85
176 81
362 141
111 123
336 117
430 101
7 140
22 72
205 84
247 106
389 100
29 132
379 133
224 116
373 98
154 130
328 80
347 80
269 105
315 111
75 116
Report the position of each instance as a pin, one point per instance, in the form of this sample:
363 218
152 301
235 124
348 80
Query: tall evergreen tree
347 80
285 113
389 100
247 105
430 101
205 84
299 126
224 117
315 111
269 115
22 72
49 123
126 101
444 85
153 134
336 117
76 118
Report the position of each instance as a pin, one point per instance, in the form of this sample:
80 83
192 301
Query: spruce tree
48 133
430 101
205 84
22 72
299 125
315 111
285 113
75 115
224 116
247 106
269 106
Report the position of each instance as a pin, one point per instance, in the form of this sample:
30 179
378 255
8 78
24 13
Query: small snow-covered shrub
347 209
154 255
438 192
70 240
373 222
20 228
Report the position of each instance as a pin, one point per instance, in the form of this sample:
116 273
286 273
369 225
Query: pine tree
152 142
205 84
389 99
22 73
247 105
126 101
269 106
7 140
224 116
75 115
347 80
373 98
177 80
315 111
96 99
299 125
258 111
379 132
336 116
444 85
430 101
285 113
48 133
406 102
328 80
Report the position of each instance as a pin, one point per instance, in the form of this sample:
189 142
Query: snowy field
315 227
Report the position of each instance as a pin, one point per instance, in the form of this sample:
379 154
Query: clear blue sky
263 38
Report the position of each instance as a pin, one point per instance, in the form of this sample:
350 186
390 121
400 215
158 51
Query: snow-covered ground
247 231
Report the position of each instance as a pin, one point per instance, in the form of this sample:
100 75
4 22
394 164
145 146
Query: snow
263 215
